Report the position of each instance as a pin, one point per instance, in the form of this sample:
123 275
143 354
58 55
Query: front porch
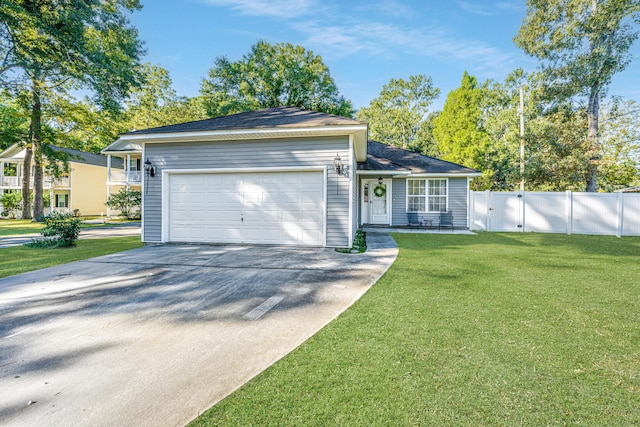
369 228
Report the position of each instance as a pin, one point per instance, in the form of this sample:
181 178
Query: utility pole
521 113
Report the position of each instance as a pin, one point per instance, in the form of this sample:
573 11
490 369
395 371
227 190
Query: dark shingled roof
278 117
384 157
88 158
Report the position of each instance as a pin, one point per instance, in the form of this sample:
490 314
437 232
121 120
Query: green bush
128 202
11 203
60 230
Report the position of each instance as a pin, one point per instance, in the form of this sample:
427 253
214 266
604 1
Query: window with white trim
134 165
427 195
416 195
62 201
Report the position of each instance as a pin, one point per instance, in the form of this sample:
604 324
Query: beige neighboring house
124 167
83 190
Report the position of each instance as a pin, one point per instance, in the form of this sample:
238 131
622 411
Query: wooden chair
446 220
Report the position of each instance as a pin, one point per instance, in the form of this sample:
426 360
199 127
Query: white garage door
269 208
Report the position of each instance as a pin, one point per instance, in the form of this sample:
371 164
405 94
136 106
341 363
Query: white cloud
476 9
390 41
338 32
273 8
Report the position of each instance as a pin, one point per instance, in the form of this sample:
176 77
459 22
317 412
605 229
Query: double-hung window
416 195
427 195
62 201
437 189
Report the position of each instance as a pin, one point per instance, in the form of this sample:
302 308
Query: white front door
379 202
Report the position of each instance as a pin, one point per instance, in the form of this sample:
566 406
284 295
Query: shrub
60 230
128 202
11 203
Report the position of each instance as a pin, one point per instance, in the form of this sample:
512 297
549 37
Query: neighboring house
82 189
128 154
283 176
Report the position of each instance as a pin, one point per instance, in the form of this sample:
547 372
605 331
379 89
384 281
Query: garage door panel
273 208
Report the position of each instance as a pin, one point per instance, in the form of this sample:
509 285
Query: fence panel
595 213
545 212
615 214
478 210
631 216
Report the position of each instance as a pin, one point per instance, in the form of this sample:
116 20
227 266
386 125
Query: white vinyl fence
615 214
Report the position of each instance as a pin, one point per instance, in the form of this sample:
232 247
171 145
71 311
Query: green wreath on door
380 190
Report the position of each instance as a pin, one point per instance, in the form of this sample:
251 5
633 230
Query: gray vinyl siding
268 153
457 203
399 202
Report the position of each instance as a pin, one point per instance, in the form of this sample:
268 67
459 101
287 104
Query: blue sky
364 43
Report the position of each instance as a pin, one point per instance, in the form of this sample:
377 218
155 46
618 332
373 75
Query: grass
14 227
494 329
20 259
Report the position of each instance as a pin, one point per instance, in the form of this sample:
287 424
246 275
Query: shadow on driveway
156 335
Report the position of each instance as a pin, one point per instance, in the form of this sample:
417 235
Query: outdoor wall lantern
149 169
380 180
339 167
337 164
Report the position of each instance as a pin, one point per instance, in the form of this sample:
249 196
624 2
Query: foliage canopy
272 75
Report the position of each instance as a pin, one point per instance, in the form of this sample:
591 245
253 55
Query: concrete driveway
156 335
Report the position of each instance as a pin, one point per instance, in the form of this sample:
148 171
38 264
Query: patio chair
414 220
446 220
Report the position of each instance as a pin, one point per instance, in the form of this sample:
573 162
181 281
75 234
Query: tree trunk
36 142
26 182
593 111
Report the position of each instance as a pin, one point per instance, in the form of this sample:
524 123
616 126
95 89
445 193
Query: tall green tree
51 46
459 129
272 75
501 119
620 141
399 116
14 123
84 125
155 102
582 44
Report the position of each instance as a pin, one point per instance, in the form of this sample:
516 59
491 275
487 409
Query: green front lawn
494 329
20 259
14 227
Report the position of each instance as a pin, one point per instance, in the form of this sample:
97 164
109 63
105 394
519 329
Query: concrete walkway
116 230
156 335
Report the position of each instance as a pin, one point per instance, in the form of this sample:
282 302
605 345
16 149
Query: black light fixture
380 180
149 169
337 164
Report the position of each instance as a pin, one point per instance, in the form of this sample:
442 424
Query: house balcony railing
135 177
12 182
